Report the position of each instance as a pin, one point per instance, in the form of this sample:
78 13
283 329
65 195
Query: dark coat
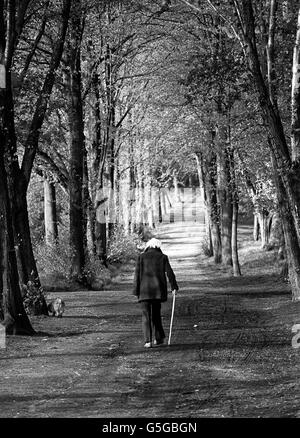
150 282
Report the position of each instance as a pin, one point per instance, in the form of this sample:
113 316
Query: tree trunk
139 198
117 193
17 189
202 185
101 222
234 244
291 244
163 202
148 202
125 191
111 172
89 215
160 217
225 202
15 318
182 197
213 214
176 190
101 240
235 206
24 251
77 145
295 123
210 175
126 203
264 219
89 178
50 215
256 230
216 239
99 198
155 204
133 192
90 231
148 189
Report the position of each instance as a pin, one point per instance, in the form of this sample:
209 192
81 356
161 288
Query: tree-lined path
120 120
231 351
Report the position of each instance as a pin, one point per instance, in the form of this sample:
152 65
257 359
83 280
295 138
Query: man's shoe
147 345
160 342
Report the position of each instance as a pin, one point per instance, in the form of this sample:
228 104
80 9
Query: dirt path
231 353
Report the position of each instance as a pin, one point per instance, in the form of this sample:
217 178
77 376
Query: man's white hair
153 243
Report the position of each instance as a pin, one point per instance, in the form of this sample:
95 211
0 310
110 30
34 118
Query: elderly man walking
150 287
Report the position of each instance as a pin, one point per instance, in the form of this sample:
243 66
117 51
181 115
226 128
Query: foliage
33 298
277 237
54 263
123 247
205 247
35 199
53 259
94 270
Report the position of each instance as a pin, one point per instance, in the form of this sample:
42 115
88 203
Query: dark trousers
151 320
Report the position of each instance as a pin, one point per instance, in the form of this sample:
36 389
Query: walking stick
172 316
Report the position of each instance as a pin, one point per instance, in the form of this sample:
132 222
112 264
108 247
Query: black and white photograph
149 213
